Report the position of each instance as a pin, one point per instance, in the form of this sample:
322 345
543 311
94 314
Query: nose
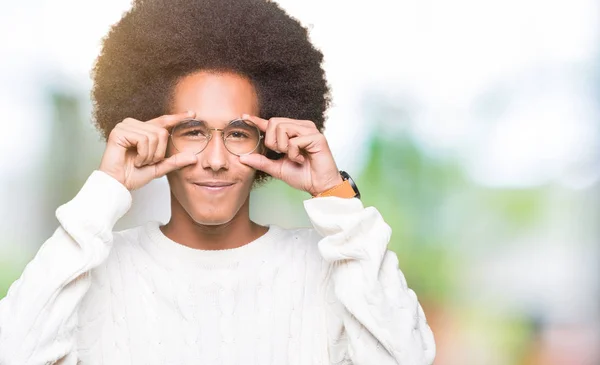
215 155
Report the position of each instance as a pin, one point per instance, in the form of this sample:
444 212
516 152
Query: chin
209 215
211 220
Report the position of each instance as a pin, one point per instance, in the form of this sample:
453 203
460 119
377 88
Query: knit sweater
330 294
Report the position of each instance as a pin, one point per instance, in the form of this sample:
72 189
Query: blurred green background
472 127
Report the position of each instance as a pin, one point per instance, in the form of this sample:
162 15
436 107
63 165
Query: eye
195 132
192 129
237 134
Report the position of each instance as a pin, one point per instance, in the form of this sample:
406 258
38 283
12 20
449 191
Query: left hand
308 163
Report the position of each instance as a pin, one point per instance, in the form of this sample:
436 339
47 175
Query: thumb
174 162
262 163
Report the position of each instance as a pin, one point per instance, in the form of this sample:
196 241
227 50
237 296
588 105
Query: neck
239 231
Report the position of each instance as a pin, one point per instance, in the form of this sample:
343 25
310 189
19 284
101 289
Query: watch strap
343 190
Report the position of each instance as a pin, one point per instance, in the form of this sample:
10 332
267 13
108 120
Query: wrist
328 186
114 173
346 189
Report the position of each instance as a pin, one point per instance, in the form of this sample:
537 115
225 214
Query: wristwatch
347 189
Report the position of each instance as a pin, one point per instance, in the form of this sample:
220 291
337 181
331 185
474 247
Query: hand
308 163
135 151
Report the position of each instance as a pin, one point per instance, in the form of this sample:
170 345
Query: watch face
347 177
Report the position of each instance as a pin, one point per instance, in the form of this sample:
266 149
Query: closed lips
214 184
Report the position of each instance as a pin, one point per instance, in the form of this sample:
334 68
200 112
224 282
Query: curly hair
158 42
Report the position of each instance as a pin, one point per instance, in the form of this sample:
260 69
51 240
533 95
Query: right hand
135 151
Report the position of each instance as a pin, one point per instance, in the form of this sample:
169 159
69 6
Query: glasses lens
190 136
241 137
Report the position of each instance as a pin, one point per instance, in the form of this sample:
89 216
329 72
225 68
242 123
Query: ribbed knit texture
331 294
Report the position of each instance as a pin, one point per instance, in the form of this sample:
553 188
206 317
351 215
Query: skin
202 216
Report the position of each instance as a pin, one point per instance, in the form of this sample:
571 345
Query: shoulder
127 244
127 249
133 234
298 242
303 235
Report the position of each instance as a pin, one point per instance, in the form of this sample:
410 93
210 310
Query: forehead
216 98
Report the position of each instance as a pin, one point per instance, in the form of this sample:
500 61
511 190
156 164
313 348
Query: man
217 95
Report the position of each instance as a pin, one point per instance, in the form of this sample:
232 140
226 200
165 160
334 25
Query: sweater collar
170 253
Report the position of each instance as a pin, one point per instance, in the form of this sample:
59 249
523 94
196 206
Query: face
217 188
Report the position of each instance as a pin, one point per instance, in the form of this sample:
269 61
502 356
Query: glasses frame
210 135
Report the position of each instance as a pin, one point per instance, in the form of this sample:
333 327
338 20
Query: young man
217 95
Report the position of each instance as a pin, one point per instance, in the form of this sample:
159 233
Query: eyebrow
191 123
194 122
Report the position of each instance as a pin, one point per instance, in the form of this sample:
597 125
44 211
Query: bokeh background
471 125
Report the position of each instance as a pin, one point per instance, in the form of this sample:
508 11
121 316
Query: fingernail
190 112
245 116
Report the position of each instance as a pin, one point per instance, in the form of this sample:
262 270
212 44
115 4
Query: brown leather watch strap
343 190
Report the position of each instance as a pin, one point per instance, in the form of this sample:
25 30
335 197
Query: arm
380 314
38 317
382 318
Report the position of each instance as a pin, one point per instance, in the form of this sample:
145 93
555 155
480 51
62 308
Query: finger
271 136
305 123
262 124
135 140
130 121
171 120
151 145
274 133
161 149
285 130
142 148
262 163
173 163
162 140
281 139
127 138
295 154
312 143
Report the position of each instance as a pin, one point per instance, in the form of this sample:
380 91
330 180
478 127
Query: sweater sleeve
38 317
379 319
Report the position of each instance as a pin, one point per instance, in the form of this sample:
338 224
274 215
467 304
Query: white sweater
328 295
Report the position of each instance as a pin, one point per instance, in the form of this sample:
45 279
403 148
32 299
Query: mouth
214 186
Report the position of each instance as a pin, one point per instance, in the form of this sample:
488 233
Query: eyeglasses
240 137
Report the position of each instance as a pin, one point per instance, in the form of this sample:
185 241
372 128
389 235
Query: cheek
175 184
248 172
246 176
